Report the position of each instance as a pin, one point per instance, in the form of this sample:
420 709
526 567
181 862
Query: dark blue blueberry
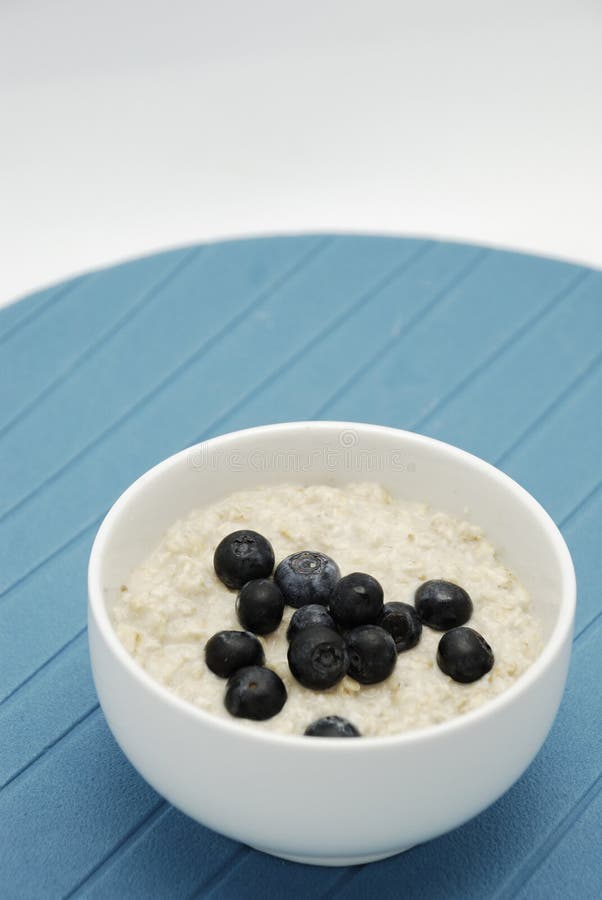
332 726
255 693
372 654
464 655
403 624
260 605
317 657
242 556
228 651
306 616
307 577
442 604
357 599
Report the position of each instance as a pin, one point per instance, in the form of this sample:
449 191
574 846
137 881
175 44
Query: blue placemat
107 374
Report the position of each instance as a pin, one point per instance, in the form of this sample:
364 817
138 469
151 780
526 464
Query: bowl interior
409 466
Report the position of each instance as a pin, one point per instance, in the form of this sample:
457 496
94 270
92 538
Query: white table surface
129 127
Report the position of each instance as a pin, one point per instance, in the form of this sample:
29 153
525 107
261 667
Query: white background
132 126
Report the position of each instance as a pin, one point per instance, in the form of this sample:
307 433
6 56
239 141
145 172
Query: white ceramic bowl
330 801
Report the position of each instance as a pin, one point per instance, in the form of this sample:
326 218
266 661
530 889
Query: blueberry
442 604
255 693
260 605
357 599
317 657
403 624
307 577
242 556
228 651
306 616
464 655
332 726
372 654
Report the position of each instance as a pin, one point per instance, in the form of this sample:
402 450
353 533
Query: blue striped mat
110 372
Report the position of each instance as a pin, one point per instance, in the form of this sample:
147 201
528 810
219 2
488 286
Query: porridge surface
173 603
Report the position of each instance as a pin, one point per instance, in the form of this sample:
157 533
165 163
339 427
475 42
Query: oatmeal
174 603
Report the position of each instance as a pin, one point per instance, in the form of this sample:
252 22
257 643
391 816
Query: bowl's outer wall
274 794
281 797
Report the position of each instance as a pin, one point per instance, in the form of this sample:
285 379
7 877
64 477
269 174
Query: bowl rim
562 630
